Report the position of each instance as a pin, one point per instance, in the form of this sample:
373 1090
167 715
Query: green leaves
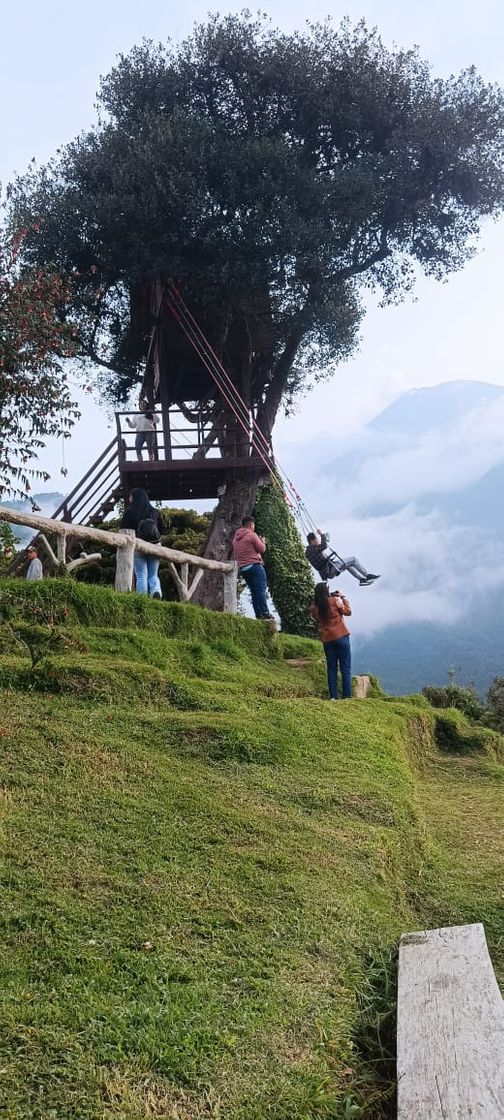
274 176
289 574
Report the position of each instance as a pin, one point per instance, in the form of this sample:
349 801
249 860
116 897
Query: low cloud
432 567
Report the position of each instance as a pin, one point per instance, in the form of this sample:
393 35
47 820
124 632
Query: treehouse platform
181 461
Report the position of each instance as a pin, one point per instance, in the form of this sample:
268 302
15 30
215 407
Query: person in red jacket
248 551
328 610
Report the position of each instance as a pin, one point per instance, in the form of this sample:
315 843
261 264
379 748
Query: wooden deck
177 480
450 1028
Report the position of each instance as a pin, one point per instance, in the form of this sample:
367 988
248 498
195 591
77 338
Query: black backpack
148 530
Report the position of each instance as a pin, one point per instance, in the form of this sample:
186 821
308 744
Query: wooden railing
96 492
177 439
127 544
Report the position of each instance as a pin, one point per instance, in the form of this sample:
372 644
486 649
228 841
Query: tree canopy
35 400
274 176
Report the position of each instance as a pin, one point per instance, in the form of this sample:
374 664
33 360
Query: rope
244 415
231 396
222 372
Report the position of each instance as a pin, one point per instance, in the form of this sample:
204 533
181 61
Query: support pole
179 583
124 562
184 576
198 575
61 549
230 590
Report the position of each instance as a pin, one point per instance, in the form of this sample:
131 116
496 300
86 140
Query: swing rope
240 409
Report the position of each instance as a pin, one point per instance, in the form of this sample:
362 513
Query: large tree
35 401
274 177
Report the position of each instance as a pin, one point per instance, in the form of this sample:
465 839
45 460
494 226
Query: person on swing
331 566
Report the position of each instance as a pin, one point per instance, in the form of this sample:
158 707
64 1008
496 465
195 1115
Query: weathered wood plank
450 1028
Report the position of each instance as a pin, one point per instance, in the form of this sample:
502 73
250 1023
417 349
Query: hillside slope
206 866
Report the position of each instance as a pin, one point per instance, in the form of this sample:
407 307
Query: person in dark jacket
331 566
148 525
329 611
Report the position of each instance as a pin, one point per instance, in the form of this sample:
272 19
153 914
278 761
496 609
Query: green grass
207 867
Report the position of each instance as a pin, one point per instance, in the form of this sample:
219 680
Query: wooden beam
450 1027
50 553
61 549
83 560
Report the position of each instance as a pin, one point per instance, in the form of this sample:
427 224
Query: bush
495 698
466 700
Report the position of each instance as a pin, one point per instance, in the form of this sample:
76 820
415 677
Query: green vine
289 573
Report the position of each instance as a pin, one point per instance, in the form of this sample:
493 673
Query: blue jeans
146 574
255 578
337 653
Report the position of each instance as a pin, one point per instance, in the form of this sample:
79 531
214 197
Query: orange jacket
333 627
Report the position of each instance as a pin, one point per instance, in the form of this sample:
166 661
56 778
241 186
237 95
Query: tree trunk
238 500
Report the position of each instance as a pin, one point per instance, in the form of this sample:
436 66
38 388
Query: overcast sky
51 57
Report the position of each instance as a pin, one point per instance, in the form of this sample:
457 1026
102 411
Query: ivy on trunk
289 574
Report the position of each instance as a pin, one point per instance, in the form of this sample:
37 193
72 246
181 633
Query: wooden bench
450 1028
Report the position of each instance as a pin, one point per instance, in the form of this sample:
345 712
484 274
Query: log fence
126 544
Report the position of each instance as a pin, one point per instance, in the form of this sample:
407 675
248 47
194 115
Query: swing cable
200 343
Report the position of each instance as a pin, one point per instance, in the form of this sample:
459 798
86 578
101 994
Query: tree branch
357 267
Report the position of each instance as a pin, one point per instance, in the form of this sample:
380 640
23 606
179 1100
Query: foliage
34 396
274 176
204 883
495 699
454 696
289 574
8 542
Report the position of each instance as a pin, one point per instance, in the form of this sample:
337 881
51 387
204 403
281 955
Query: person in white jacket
145 427
35 570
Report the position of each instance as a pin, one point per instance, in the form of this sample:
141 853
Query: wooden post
61 548
124 562
230 590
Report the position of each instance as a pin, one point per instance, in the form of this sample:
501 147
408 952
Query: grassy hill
206 866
